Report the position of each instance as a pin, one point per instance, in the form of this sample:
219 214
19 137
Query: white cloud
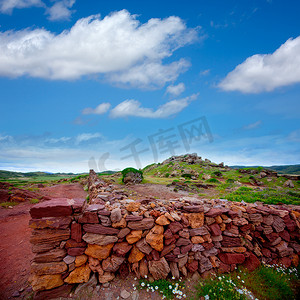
58 140
176 89
7 6
60 10
133 108
86 137
6 138
118 46
266 72
99 110
252 125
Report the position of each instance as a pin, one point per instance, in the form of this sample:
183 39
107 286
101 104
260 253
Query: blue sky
111 84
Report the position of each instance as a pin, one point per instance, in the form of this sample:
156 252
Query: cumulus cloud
60 10
176 89
252 125
7 6
266 72
99 110
133 108
118 46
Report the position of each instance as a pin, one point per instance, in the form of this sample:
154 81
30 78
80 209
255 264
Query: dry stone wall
116 235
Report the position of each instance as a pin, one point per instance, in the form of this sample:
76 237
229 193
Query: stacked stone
156 238
53 230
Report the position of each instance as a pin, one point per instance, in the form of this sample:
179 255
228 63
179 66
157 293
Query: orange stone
196 220
45 282
99 252
134 236
197 239
79 275
162 220
121 224
133 206
155 238
80 260
135 255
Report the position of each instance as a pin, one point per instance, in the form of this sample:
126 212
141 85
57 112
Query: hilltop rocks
99 239
133 178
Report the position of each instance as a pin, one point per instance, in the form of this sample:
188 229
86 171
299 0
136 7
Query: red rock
223 268
100 229
289 223
76 232
278 224
159 269
77 204
120 249
204 264
146 223
175 227
76 251
54 223
182 242
171 258
51 256
230 241
167 250
215 229
168 234
193 266
251 262
214 212
56 293
186 249
266 252
48 236
272 236
285 261
89 217
194 208
231 258
104 212
245 228
255 218
170 241
199 231
155 254
207 246
112 264
123 232
133 218
143 246
58 207
285 235
73 244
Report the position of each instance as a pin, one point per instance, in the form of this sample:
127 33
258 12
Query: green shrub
7 204
167 175
187 175
34 201
217 173
213 180
128 170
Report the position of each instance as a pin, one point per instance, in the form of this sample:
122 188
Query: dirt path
15 249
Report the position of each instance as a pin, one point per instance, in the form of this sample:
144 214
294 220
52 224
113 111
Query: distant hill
284 169
10 174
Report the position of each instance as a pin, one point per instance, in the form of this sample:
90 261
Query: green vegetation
268 195
169 290
266 282
34 201
128 170
7 204
213 180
